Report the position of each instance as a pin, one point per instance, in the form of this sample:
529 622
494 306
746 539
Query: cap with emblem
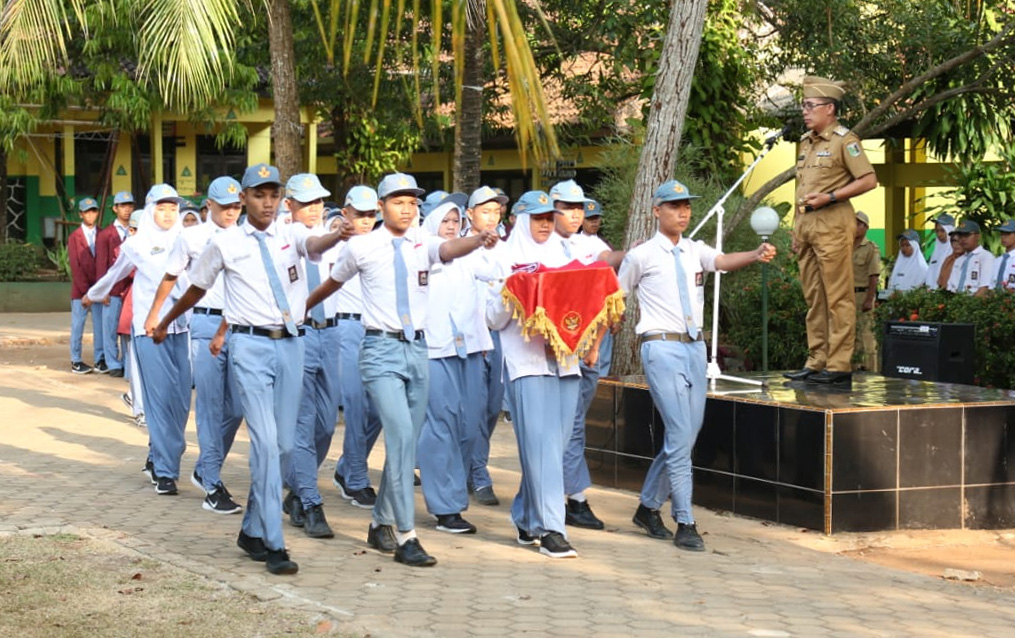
163 193
485 194
135 218
259 175
671 191
593 209
305 188
432 201
862 217
398 183
1007 227
569 192
967 227
944 219
533 203
909 234
223 191
123 197
362 198
88 204
823 88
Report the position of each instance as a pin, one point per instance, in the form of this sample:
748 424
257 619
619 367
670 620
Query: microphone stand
713 372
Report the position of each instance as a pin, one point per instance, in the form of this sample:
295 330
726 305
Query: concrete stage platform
885 454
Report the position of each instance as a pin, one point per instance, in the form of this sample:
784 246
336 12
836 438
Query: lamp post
764 222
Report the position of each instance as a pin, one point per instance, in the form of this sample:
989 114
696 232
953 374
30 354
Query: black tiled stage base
885 454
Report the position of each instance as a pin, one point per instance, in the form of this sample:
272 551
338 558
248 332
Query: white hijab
909 272
151 242
938 256
522 248
432 221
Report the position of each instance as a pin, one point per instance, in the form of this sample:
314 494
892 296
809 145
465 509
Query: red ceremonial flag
567 306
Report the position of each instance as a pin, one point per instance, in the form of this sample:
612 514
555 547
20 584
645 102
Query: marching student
165 370
362 423
217 409
484 391
318 411
265 301
394 266
106 244
133 398
543 392
668 274
81 255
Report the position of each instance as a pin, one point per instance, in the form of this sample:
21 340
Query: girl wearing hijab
543 392
444 447
165 369
943 225
910 269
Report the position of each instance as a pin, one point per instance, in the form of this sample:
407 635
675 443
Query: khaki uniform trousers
825 244
866 346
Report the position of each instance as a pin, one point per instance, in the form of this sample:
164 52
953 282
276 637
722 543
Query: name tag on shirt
158 249
423 277
1011 279
824 154
974 275
294 274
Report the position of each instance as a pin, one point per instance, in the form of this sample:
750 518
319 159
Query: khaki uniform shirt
829 160
866 262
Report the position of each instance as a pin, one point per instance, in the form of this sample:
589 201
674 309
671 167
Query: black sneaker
454 524
116 373
411 553
293 506
149 471
278 562
221 502
165 486
416 482
195 480
101 367
253 545
485 496
382 538
364 498
315 524
688 538
525 538
127 399
579 514
554 545
80 368
650 521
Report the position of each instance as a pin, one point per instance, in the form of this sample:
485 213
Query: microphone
770 142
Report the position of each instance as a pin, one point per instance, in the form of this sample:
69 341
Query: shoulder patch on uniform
841 131
853 149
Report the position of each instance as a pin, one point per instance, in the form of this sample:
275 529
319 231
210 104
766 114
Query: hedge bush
18 260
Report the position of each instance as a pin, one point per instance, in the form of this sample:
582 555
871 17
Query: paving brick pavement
70 456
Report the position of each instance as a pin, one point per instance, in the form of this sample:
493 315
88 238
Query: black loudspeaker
929 351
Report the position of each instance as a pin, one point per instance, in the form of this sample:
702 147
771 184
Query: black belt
860 289
271 333
355 316
321 325
207 311
682 337
394 335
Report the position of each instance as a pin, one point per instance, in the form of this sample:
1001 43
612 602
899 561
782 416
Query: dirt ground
930 552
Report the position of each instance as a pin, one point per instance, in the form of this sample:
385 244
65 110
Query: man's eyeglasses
810 106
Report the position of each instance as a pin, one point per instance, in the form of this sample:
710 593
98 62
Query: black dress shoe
411 553
253 545
382 538
293 506
799 375
688 538
279 563
315 525
650 521
828 377
579 514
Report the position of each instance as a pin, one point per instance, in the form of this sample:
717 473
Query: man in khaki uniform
831 169
866 273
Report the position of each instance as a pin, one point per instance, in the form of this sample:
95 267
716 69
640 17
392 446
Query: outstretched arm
735 261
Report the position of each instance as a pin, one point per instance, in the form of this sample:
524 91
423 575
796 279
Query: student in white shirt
165 370
910 270
318 412
943 225
668 274
973 271
217 408
394 263
261 263
1004 274
362 423
543 392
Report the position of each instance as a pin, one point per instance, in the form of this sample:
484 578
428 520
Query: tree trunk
469 118
658 161
286 131
3 196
